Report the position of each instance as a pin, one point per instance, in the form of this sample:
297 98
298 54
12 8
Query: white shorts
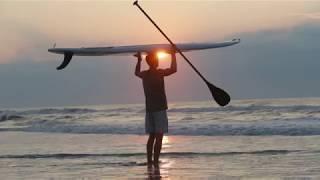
156 122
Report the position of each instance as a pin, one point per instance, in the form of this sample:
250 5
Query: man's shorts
156 122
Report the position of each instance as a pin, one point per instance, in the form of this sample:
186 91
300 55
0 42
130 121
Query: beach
250 139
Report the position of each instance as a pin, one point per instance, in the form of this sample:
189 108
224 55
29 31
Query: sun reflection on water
166 144
165 140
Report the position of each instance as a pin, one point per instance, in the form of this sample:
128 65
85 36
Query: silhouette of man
156 120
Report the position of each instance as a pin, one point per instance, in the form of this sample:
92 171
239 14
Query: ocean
248 139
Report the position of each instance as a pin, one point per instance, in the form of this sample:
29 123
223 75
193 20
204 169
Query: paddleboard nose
236 40
56 50
51 50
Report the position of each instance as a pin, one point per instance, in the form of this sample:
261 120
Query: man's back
154 90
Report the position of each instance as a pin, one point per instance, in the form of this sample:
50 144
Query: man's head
152 60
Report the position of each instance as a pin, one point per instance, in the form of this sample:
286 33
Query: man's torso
154 90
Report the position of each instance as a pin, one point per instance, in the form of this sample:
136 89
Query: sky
278 56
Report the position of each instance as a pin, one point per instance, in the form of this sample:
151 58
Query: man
156 120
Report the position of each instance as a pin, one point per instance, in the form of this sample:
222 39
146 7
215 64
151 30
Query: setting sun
161 55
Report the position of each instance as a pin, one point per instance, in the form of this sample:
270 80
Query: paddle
220 96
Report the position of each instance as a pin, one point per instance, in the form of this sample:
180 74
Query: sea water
249 139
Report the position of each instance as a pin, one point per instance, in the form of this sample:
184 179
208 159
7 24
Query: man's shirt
154 90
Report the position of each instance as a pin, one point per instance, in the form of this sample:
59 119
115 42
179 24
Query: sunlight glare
165 140
161 55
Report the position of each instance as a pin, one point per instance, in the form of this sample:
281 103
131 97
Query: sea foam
296 117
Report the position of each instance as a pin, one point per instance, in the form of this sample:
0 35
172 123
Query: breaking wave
250 108
290 128
6 117
168 154
256 118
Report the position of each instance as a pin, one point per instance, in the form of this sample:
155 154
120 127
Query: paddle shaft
171 42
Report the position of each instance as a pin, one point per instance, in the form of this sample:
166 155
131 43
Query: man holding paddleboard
156 120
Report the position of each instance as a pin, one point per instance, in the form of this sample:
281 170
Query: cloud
269 64
313 16
274 59
30 28
266 64
22 42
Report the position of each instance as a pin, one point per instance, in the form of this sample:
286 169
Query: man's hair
152 59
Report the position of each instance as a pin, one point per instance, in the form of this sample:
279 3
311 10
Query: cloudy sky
278 57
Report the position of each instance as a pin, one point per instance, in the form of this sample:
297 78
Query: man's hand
173 67
138 66
138 55
172 51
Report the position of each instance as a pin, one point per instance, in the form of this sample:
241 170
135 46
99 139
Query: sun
161 55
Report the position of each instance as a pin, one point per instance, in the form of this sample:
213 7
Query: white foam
252 117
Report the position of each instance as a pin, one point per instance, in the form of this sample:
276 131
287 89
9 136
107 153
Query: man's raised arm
138 66
173 67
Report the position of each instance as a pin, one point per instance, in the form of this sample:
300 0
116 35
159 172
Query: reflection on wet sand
153 172
159 171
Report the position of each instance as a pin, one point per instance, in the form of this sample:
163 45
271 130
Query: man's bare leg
157 147
150 144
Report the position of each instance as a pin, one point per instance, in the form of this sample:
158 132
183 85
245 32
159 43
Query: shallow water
43 155
250 139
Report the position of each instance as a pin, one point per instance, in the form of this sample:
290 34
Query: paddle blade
220 96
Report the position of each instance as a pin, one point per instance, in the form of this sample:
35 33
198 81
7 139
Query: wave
167 154
6 117
254 119
217 130
250 108
285 127
183 109
60 111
